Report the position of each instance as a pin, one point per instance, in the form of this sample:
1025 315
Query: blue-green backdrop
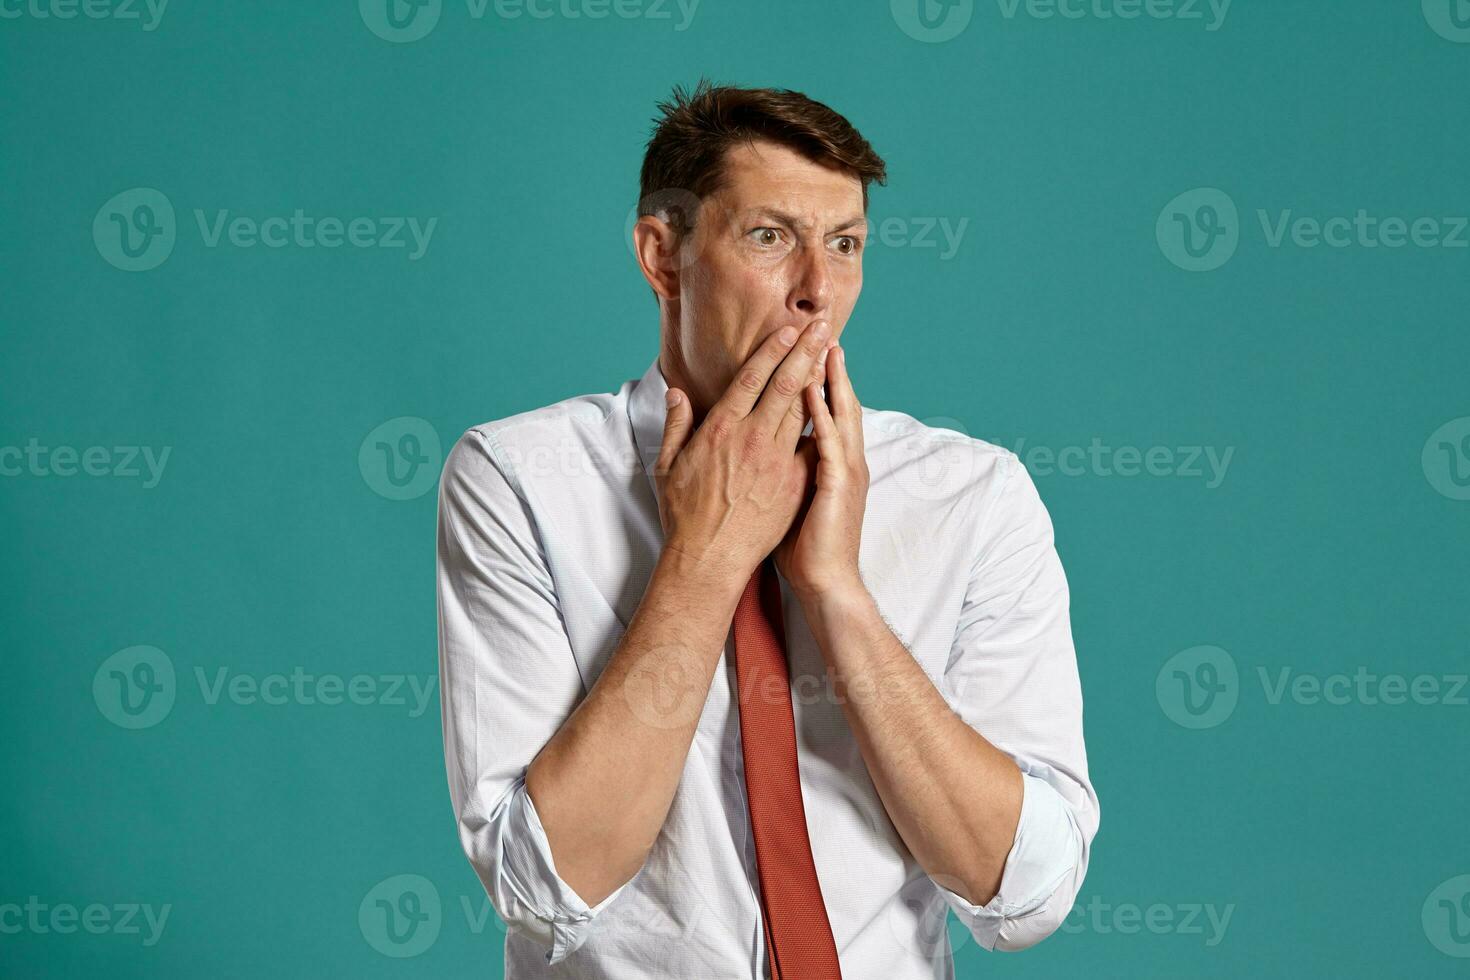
1204 266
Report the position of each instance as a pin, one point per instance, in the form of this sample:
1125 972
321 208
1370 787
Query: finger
677 426
845 408
740 397
790 379
824 427
796 419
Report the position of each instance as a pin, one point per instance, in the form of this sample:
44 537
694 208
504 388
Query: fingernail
671 398
787 336
820 329
841 355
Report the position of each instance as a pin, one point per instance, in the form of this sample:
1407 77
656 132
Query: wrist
845 594
701 570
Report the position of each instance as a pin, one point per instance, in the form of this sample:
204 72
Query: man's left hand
819 555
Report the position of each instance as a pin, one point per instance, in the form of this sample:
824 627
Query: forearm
603 784
954 798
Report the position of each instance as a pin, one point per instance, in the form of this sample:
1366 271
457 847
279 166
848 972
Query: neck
676 373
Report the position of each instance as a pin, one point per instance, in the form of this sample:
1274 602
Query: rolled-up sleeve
508 680
1012 676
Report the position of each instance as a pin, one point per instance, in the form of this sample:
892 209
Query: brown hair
685 155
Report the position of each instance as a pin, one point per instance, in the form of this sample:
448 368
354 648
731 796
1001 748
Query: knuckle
750 381
786 385
751 447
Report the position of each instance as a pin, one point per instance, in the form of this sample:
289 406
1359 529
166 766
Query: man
742 678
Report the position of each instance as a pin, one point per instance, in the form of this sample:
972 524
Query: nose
811 293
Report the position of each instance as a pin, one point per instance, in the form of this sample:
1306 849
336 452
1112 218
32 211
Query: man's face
781 243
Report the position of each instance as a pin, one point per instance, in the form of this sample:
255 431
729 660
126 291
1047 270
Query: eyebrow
787 219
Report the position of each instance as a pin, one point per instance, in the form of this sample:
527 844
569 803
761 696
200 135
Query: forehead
766 174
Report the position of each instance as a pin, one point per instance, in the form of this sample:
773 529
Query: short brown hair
686 153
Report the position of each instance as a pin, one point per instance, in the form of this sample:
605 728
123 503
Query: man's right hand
729 492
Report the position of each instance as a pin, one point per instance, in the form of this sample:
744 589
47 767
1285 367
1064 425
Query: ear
654 245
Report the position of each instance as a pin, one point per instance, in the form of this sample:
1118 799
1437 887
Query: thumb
677 426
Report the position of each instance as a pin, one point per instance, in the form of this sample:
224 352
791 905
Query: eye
848 244
766 236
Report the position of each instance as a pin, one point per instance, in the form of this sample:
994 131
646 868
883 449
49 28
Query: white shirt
548 532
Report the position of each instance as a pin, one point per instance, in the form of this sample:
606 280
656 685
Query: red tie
798 935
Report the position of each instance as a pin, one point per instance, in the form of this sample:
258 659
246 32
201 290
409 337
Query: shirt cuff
532 873
1045 853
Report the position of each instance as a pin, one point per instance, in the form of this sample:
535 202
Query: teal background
265 547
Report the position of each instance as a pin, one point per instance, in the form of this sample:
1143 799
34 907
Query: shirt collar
647 412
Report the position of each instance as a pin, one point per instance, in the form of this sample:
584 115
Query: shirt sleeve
508 680
1012 676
